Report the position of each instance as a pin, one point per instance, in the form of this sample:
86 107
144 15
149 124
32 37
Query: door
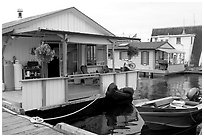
72 58
53 66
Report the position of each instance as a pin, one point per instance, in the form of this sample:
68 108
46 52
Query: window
178 40
91 55
123 55
145 58
110 55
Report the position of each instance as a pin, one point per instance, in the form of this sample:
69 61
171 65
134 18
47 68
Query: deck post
113 54
64 47
66 90
43 92
126 79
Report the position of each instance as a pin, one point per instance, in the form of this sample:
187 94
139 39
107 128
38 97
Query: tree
132 51
44 55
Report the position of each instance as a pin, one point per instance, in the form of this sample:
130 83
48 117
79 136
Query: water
126 120
172 85
106 119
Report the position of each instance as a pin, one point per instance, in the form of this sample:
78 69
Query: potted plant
132 51
44 55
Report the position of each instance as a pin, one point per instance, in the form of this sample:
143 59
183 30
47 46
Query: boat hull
165 118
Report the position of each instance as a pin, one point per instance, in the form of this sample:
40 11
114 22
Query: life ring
131 65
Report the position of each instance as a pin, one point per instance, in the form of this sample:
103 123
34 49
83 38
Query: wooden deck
16 125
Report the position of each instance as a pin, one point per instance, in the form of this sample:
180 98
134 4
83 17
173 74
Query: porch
169 61
46 93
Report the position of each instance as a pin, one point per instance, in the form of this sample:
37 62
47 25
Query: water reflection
176 85
126 120
123 119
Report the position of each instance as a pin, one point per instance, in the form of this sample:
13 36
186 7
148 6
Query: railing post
43 92
66 90
126 79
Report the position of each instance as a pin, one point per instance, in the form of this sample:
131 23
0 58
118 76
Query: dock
16 125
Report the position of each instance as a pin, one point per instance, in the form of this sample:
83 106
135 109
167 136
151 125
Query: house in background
186 38
155 57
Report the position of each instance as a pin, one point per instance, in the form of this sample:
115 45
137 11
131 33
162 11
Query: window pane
178 40
91 55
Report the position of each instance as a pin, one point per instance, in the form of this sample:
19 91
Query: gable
67 20
166 46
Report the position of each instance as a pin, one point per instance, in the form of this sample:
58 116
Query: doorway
53 66
72 58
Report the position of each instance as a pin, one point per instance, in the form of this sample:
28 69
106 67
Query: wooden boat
170 112
118 96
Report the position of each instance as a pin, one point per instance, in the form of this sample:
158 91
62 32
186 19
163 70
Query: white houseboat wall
185 38
152 57
77 41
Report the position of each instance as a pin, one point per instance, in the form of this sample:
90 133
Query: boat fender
194 94
111 89
128 90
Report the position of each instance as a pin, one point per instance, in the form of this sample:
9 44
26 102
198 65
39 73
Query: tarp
170 50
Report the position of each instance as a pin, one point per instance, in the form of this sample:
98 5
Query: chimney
20 13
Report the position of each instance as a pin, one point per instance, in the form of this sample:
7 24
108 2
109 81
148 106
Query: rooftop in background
142 45
175 30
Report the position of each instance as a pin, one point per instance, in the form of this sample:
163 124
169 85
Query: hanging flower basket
44 55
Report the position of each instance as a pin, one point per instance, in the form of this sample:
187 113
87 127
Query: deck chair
105 69
87 81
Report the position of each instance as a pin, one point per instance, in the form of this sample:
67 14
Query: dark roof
147 45
142 45
175 30
197 45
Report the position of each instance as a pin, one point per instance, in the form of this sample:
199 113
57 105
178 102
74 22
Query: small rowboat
170 112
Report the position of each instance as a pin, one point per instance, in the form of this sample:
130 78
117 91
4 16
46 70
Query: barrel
17 75
9 76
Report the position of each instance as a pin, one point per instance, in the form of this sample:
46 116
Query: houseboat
183 38
77 41
153 57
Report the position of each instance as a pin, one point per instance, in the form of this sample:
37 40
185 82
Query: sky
121 17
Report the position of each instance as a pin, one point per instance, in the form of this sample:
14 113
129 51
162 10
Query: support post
66 90
43 93
113 53
64 47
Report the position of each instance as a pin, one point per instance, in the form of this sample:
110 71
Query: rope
98 95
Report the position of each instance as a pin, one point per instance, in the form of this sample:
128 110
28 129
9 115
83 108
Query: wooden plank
19 129
32 131
14 124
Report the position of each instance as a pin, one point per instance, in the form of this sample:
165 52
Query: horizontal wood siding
32 95
55 92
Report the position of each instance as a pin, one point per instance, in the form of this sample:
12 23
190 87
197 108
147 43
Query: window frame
91 55
144 61
178 40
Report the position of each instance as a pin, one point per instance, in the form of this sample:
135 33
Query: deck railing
44 92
